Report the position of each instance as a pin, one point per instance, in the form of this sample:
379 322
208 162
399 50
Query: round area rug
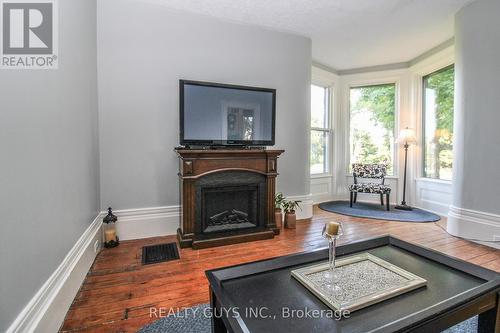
379 212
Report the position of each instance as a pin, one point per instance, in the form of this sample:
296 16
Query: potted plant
290 218
279 199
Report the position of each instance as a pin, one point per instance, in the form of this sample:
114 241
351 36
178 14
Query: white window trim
331 179
421 172
321 175
433 180
430 65
396 80
328 129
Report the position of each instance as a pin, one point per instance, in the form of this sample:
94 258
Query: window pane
319 106
319 157
438 124
372 117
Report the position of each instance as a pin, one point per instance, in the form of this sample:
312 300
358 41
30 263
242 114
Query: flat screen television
214 114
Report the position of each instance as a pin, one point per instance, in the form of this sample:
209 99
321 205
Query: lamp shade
407 135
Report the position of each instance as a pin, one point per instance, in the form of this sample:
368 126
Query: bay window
438 95
320 130
372 125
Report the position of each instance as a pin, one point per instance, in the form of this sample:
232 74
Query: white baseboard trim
495 245
46 311
473 224
433 195
317 199
147 222
162 221
437 212
306 204
435 207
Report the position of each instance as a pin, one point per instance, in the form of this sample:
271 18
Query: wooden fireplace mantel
196 163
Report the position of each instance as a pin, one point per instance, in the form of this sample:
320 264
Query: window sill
321 175
434 180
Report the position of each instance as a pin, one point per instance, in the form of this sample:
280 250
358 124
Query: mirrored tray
364 279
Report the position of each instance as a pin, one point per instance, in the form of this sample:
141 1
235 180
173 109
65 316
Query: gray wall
49 168
143 50
477 108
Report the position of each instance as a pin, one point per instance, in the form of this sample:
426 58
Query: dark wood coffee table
456 290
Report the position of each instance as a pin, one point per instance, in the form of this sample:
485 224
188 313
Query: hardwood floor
118 292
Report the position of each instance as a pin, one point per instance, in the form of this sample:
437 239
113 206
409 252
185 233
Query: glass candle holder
332 231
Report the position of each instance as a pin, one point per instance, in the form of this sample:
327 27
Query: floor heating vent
159 253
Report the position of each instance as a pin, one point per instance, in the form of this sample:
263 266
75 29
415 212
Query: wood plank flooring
118 292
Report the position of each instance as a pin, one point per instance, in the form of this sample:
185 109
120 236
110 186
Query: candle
110 235
332 228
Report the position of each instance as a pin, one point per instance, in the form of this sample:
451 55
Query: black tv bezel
185 142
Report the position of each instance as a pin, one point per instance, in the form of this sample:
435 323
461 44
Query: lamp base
403 207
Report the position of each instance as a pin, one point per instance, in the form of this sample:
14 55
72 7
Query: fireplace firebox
227 196
229 201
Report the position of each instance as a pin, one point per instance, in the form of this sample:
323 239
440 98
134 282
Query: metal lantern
109 227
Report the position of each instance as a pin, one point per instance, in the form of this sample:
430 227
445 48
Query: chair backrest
360 170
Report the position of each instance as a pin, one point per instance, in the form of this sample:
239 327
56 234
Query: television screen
219 114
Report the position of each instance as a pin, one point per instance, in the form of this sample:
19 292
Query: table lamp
406 137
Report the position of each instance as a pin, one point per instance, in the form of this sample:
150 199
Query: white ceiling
345 33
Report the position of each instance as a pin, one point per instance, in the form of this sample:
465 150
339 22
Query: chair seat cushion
370 188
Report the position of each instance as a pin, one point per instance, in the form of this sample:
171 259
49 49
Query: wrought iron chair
371 171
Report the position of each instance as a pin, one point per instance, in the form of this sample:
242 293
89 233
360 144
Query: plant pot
278 217
290 219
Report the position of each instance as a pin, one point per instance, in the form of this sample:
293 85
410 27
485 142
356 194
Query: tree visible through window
320 129
439 90
372 119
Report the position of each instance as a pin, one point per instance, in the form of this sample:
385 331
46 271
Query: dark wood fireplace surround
195 164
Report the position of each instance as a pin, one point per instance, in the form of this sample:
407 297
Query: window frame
329 89
423 120
397 100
